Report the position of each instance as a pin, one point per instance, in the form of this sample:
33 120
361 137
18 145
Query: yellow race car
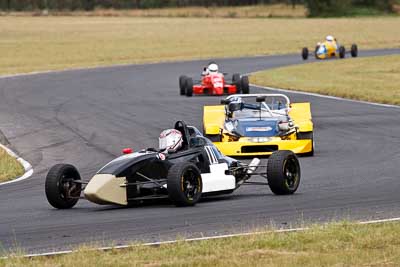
330 48
259 124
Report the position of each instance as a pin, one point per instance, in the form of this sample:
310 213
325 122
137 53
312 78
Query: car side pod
106 189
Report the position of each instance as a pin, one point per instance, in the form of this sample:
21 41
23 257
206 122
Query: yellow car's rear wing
213 119
301 115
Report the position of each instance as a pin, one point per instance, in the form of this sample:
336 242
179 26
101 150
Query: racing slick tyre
342 52
304 53
354 50
283 172
245 85
237 82
189 86
184 184
182 83
305 136
61 190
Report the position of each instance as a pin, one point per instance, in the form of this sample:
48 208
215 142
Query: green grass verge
374 79
53 43
340 244
10 168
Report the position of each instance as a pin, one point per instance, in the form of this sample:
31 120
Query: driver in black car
170 141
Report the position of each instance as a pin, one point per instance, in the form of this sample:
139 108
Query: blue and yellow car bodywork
300 142
330 49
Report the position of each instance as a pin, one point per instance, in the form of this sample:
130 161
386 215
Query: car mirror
234 107
225 101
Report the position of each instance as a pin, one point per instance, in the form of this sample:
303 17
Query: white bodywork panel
217 180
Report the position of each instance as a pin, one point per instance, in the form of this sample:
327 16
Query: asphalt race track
85 117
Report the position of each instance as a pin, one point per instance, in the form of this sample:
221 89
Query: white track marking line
381 221
325 96
289 230
27 166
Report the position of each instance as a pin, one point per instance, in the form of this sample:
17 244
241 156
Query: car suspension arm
254 183
149 179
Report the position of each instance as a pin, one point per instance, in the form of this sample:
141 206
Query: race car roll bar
260 95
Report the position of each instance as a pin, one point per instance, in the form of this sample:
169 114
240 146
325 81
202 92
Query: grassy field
49 43
341 244
374 79
9 167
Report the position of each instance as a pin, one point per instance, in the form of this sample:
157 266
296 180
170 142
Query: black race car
197 170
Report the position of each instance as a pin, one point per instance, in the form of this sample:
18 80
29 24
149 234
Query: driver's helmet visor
170 139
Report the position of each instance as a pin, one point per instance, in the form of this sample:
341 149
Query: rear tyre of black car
237 82
342 52
245 85
283 172
61 190
182 84
354 50
304 53
306 136
189 86
184 184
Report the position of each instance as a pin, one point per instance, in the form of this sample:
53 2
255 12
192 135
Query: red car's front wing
203 90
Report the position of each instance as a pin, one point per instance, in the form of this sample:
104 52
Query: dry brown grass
9 167
374 79
342 244
254 11
45 43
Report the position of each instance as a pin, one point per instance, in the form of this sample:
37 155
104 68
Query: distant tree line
21 5
315 7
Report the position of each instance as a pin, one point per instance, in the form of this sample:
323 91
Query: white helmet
170 140
330 38
213 67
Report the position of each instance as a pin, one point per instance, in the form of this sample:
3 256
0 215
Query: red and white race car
213 82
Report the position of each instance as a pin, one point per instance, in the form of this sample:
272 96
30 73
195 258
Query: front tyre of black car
283 172
184 184
61 190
